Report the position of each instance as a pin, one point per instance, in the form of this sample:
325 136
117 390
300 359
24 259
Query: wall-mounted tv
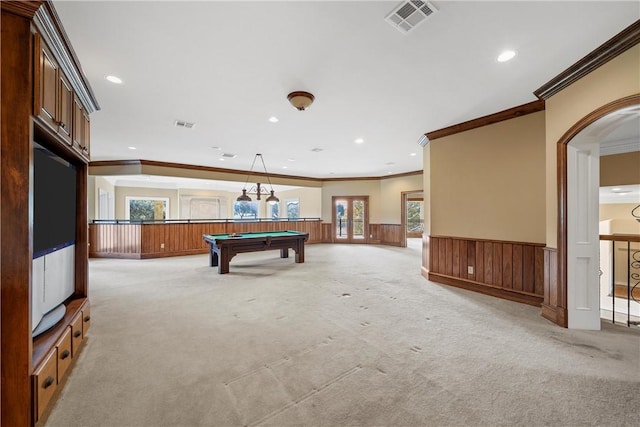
54 202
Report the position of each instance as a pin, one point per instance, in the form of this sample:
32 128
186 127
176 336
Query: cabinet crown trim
50 28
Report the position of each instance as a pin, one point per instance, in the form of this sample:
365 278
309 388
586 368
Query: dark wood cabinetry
55 102
45 100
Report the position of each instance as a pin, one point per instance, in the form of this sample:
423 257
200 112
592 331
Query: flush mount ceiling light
114 79
506 56
300 100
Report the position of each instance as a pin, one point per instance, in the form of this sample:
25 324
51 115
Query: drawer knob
76 334
87 318
48 382
65 354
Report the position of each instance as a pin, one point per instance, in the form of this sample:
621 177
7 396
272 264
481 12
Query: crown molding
604 53
511 113
142 162
25 9
50 28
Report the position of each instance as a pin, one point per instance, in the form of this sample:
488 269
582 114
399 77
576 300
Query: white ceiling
228 66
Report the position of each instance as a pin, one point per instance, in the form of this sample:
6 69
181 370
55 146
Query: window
146 208
274 211
293 208
246 210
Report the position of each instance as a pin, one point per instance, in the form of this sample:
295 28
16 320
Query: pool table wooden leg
284 253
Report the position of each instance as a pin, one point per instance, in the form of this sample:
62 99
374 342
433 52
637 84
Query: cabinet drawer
86 319
64 353
45 382
76 334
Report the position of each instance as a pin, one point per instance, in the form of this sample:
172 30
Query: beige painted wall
369 188
489 182
390 191
94 185
310 201
426 187
615 80
384 196
620 169
615 211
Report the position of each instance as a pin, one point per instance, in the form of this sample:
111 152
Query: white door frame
583 240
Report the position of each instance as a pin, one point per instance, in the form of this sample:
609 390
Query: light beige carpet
352 337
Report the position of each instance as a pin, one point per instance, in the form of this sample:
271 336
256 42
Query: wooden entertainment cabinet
45 100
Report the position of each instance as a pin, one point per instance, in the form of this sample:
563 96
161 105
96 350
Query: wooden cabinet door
48 87
86 124
65 95
78 124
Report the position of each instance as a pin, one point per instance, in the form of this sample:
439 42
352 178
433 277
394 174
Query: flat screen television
54 237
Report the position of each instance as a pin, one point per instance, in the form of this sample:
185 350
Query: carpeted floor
352 337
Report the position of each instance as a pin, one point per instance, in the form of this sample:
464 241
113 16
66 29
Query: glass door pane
358 219
342 219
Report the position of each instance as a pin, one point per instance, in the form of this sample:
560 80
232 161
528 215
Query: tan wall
615 211
229 196
620 169
369 188
488 182
95 184
426 188
391 190
615 80
310 201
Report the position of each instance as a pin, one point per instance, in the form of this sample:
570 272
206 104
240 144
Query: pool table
223 247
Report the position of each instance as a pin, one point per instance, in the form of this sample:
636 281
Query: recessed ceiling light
616 189
221 159
291 160
284 167
413 154
359 141
132 148
506 56
114 79
273 119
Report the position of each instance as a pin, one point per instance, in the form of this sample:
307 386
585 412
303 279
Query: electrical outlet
371 236
470 269
161 245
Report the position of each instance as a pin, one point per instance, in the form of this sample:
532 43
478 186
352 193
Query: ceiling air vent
409 14
184 124
229 156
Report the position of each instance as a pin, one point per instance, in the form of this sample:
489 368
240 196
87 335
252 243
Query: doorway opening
412 214
586 239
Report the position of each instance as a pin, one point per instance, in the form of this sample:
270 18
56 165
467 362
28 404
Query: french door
350 219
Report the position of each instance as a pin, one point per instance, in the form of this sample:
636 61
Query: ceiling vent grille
184 124
423 141
229 156
409 14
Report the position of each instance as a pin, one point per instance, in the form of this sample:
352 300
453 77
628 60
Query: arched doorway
578 158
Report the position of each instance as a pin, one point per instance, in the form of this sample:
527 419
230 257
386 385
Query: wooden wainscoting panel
550 307
448 257
497 264
517 268
479 262
507 264
463 259
390 234
512 267
488 263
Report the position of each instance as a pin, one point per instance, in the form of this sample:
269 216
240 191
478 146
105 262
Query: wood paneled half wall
510 270
156 240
